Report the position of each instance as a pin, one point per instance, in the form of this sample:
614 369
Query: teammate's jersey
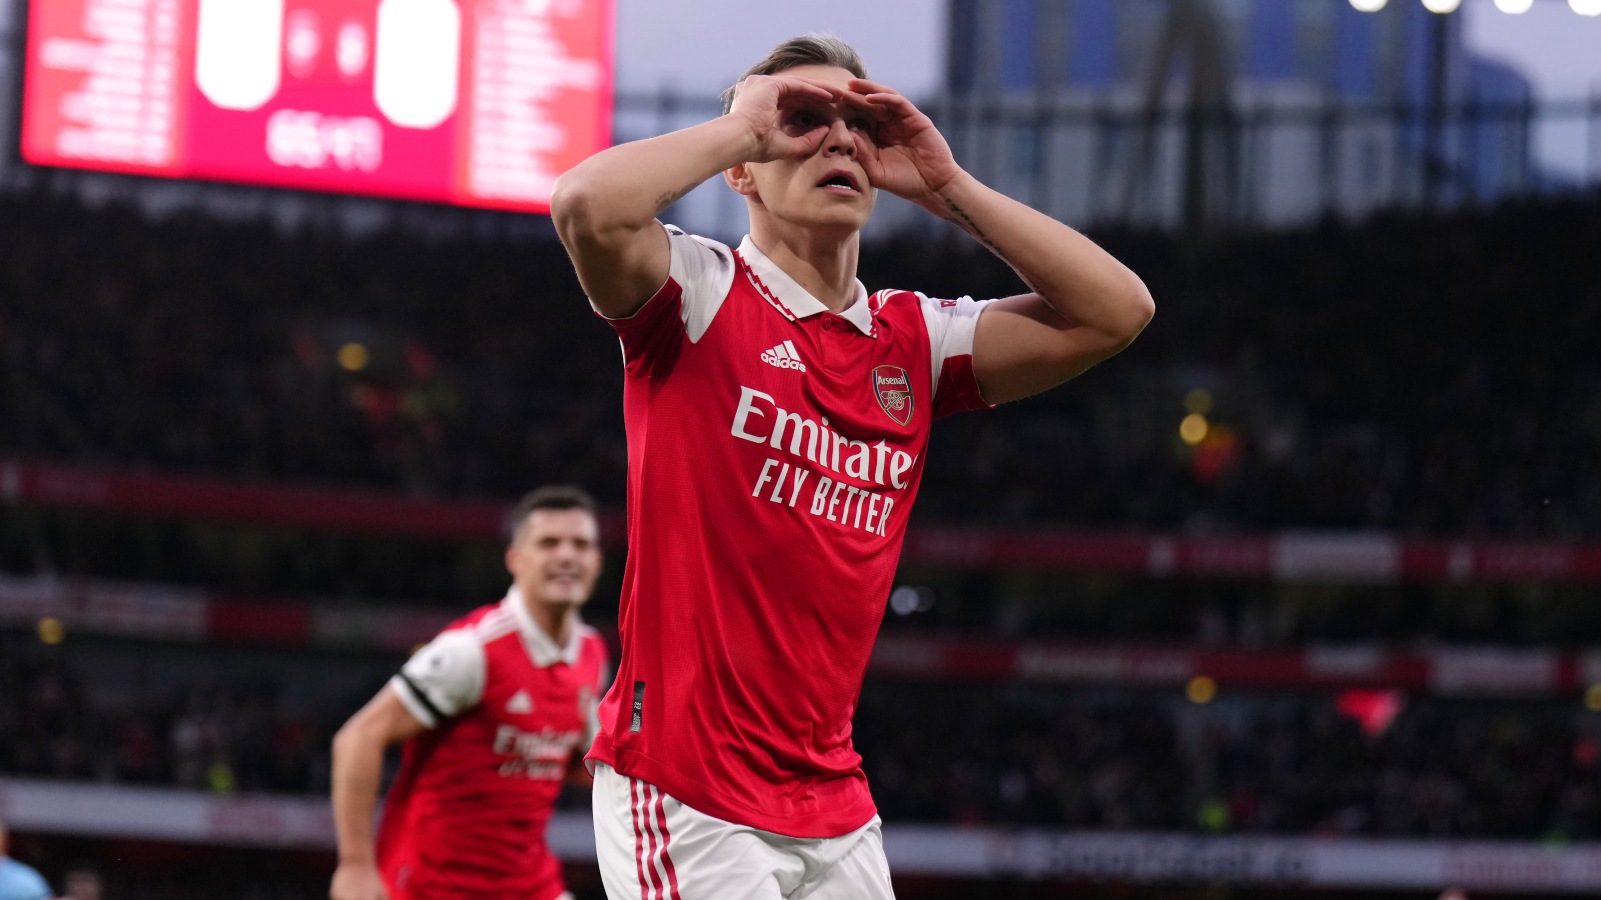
774 450
506 710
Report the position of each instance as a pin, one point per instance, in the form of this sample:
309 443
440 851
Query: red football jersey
774 450
506 710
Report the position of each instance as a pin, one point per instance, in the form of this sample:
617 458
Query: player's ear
511 558
741 179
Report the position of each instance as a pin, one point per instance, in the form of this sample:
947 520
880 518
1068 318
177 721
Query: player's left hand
906 155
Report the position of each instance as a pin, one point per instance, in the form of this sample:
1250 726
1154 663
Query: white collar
541 647
794 301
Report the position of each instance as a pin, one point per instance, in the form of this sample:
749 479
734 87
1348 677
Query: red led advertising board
472 102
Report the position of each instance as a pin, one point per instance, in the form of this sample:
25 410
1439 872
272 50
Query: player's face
828 188
555 558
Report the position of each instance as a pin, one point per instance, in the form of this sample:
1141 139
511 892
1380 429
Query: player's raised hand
907 155
776 107
353 881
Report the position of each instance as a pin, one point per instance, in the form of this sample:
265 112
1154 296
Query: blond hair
805 50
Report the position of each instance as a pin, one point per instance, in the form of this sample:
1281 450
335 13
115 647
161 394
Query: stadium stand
205 473
1006 751
1455 351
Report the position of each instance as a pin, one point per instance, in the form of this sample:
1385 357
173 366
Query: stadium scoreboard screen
472 102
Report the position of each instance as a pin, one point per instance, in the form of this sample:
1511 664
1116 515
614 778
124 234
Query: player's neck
556 621
823 263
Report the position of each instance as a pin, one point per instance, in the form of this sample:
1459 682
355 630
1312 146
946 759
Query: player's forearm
356 776
626 187
1078 279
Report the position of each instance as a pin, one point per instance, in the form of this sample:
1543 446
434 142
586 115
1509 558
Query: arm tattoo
671 197
960 217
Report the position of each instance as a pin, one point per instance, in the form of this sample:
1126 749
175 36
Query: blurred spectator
83 883
18 881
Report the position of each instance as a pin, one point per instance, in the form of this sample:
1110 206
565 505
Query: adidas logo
784 356
520 703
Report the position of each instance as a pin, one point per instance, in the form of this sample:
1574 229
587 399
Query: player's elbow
1133 311
582 210
571 205
344 741
352 738
1121 319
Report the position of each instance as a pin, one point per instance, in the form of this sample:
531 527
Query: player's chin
564 592
578 594
842 212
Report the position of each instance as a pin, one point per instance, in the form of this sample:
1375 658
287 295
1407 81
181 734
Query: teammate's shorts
652 847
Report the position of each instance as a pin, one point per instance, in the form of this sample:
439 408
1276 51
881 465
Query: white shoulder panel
704 269
444 678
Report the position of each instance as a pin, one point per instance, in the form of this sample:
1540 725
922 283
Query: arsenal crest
893 388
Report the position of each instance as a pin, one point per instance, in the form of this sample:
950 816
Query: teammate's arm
358 765
605 208
1085 305
578 773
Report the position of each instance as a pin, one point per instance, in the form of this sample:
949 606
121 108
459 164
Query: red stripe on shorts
646 888
667 861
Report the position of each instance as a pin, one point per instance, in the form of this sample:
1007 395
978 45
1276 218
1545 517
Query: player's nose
839 138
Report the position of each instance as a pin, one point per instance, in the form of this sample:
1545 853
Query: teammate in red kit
777 417
496 713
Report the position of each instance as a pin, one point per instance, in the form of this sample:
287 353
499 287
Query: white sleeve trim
443 679
951 326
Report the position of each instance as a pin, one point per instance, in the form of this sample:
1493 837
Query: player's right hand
357 881
775 107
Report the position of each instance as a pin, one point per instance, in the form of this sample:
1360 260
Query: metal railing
1275 159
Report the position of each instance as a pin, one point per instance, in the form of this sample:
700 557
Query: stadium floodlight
1585 7
1368 5
1441 6
1514 7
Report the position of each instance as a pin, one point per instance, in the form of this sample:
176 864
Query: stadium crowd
201 735
1444 383
969 754
1243 763
1223 613
1426 375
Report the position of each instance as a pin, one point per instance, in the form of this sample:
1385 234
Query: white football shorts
652 847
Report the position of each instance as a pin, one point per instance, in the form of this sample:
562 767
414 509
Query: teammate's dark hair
551 496
805 50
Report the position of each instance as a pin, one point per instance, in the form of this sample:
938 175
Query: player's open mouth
840 181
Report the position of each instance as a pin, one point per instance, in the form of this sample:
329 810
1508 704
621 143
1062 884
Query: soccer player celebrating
777 418
496 713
